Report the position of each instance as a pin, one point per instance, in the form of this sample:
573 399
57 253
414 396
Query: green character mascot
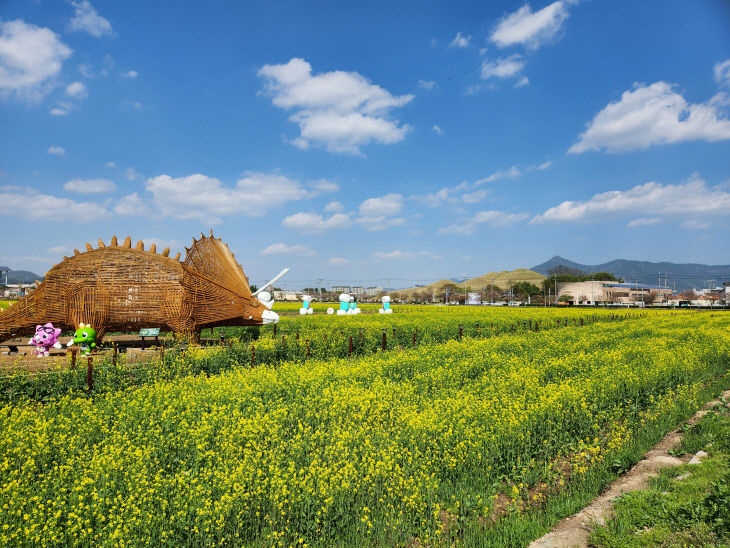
84 336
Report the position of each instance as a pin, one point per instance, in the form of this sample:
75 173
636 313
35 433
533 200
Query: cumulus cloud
322 185
131 74
57 151
31 205
492 218
208 199
506 67
722 73
426 84
30 59
688 199
438 130
528 28
313 223
283 249
77 90
524 81
510 173
338 261
379 213
89 186
460 41
340 111
334 207
111 163
654 115
87 19
132 205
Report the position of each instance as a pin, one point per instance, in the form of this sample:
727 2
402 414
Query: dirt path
574 531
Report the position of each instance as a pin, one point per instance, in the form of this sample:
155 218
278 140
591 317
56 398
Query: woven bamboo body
120 288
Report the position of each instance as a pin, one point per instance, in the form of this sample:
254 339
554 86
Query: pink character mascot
45 338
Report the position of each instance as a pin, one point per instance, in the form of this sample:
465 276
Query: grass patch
685 506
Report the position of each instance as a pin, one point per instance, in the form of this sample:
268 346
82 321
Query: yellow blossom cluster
375 451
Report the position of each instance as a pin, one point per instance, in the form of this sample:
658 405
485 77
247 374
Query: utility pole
319 288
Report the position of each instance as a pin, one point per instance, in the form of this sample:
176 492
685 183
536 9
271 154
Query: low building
373 291
357 290
286 295
605 292
340 289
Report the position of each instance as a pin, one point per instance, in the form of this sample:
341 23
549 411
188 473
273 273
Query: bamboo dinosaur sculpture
125 288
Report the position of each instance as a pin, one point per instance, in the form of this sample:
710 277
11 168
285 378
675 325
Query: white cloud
510 173
313 223
132 174
30 59
208 199
111 164
132 206
722 73
86 70
654 115
528 28
341 111
57 151
89 186
379 213
28 204
694 224
338 261
77 90
438 130
390 204
524 81
427 84
87 19
644 221
323 185
506 67
460 41
283 249
334 207
62 108
131 74
681 200
494 219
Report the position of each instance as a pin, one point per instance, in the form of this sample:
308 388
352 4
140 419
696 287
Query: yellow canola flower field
364 452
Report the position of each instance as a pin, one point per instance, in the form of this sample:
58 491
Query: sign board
149 332
474 298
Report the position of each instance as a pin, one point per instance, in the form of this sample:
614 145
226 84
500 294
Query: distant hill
501 280
20 277
685 275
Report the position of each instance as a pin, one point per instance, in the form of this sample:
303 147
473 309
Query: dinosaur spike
187 250
65 258
101 243
88 247
127 242
177 257
114 243
153 248
211 232
77 252
166 251
140 245
38 282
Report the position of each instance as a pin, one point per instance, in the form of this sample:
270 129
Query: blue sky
408 142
